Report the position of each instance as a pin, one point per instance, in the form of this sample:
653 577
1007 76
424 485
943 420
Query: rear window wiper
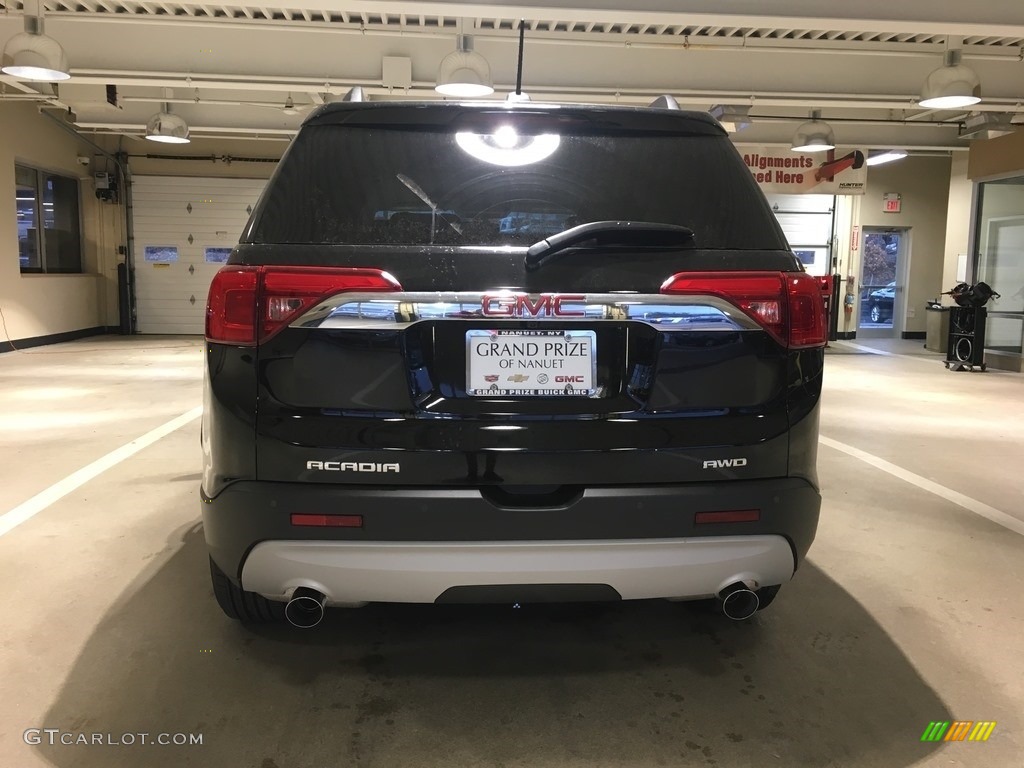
643 234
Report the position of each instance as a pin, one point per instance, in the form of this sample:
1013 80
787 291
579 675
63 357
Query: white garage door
184 227
807 221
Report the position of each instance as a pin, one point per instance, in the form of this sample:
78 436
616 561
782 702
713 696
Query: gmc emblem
523 305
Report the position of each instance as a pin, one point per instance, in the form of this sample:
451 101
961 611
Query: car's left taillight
231 306
248 305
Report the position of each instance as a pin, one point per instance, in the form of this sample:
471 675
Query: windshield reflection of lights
507 148
506 137
504 428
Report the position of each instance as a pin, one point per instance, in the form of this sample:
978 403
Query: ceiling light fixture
167 128
814 136
733 117
886 156
33 55
987 125
951 86
464 73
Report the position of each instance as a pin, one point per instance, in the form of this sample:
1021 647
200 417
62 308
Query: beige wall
924 184
39 305
958 222
848 263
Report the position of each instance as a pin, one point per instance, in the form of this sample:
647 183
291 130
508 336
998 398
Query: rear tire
241 605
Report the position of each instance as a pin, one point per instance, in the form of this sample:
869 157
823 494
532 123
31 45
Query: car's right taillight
248 305
786 304
808 326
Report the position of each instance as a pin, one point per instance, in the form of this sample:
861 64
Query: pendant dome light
32 54
951 86
167 128
464 73
814 136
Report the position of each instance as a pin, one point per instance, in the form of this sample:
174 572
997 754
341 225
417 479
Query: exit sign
891 202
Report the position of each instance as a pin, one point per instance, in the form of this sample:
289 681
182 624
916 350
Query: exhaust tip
306 608
740 603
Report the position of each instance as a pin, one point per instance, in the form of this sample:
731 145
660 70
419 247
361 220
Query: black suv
509 352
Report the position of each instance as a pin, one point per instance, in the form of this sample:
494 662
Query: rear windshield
513 185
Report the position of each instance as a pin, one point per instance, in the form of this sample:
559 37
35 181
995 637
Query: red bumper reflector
328 521
731 516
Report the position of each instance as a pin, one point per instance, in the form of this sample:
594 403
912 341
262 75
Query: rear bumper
357 572
251 521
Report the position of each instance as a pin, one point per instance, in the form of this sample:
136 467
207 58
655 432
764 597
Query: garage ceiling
231 67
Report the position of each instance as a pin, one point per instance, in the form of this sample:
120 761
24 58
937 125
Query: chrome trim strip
397 311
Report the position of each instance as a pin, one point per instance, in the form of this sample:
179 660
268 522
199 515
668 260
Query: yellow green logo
958 730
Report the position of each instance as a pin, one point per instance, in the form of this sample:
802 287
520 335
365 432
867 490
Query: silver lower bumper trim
357 572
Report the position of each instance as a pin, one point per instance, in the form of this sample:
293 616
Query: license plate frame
538 375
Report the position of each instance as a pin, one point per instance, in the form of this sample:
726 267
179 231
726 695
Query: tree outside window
880 252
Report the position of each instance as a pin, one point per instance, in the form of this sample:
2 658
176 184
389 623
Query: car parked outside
881 302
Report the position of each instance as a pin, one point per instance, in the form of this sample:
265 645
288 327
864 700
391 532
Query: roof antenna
519 95
519 69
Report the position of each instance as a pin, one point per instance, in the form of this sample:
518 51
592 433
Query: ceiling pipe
582 94
214 134
425 88
860 121
141 127
699 102
913 149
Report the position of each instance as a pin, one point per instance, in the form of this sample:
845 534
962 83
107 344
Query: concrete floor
909 609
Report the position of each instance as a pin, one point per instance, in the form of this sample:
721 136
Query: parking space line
973 505
32 507
884 353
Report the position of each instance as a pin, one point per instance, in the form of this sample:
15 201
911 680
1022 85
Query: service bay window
49 224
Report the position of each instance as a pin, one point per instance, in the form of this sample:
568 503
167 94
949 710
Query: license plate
531 363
